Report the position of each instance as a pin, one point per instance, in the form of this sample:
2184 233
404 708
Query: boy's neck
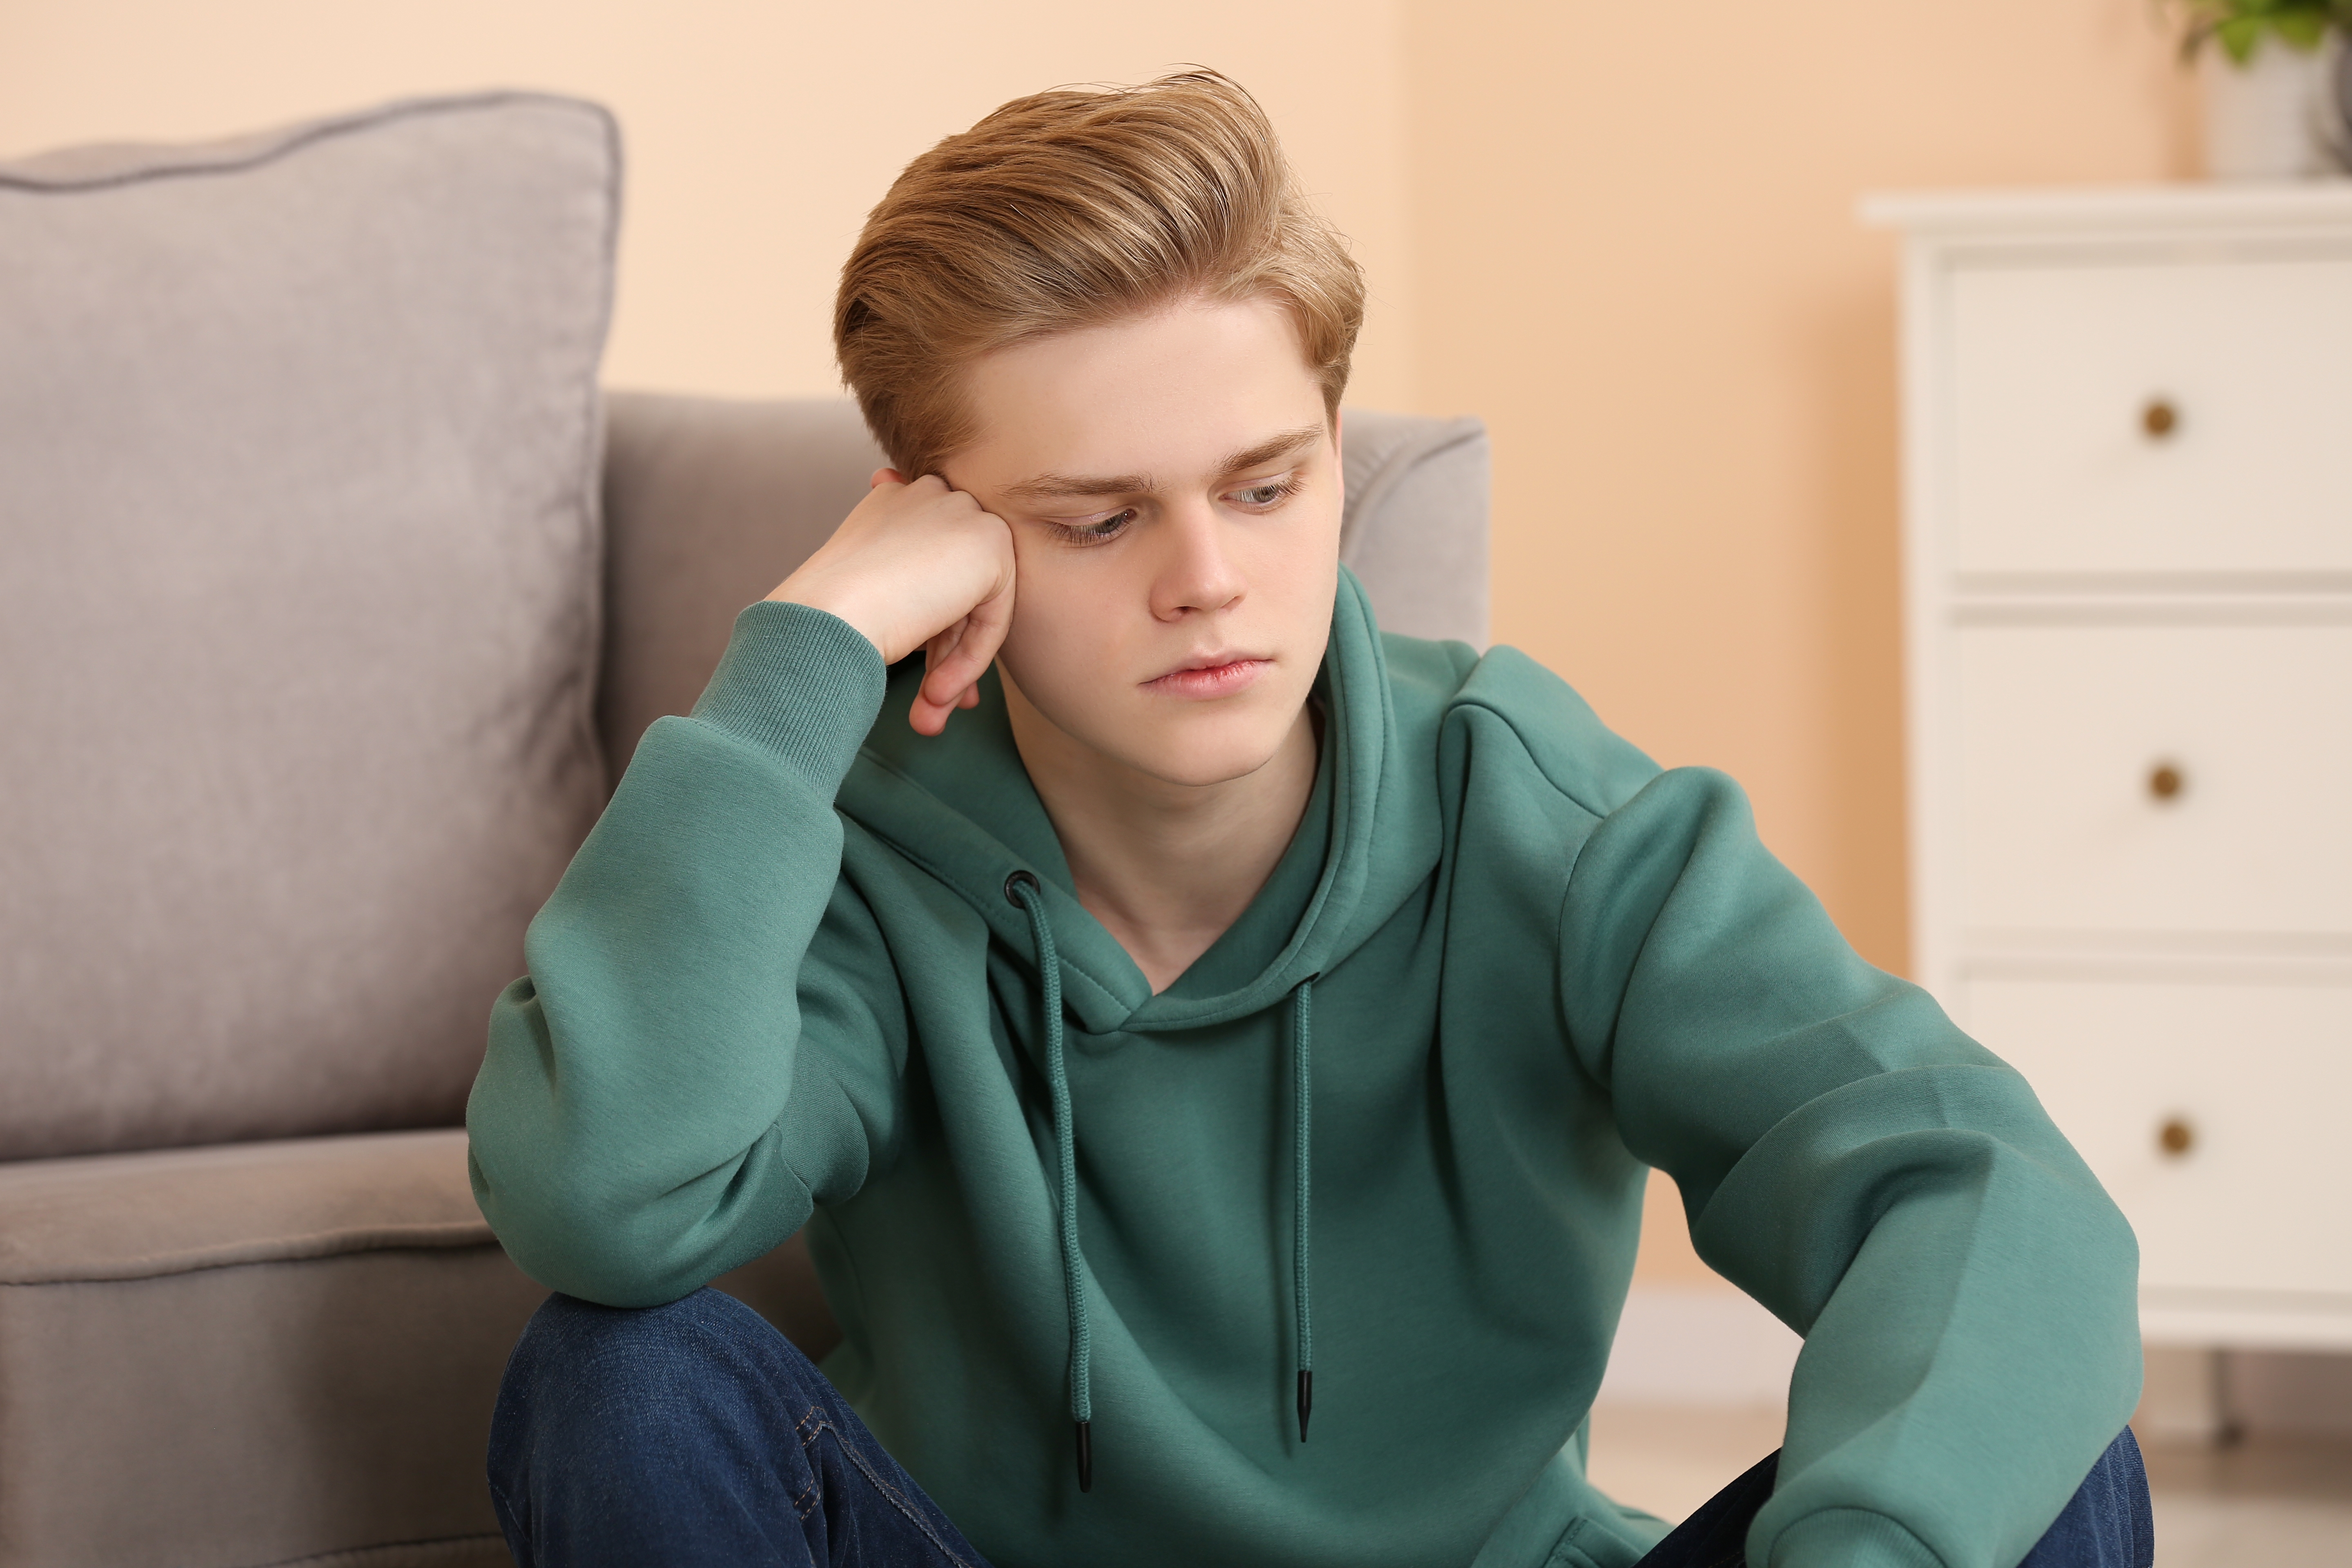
1165 867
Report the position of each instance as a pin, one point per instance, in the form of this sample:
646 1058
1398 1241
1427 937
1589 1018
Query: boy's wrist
799 681
839 600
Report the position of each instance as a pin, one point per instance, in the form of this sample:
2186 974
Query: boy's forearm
1968 1294
625 1120
1861 1166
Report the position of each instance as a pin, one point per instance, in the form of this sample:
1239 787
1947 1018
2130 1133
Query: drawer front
2069 822
2214 1115
2056 371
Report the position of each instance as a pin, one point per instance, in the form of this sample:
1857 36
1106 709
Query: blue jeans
695 1434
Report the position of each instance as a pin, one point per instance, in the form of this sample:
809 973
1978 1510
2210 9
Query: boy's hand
918 566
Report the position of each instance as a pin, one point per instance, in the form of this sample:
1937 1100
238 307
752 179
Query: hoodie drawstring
1302 1037
1022 889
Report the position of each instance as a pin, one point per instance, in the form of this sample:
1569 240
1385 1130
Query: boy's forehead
1203 389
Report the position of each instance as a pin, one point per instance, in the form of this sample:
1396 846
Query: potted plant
2278 85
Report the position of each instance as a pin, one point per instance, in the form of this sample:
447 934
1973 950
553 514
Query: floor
2267 1500
2263 1503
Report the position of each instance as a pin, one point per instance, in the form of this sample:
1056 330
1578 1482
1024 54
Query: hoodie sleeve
1885 1186
709 1038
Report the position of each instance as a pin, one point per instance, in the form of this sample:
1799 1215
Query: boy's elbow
580 1241
564 1220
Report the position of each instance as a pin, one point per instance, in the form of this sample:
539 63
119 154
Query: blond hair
1075 208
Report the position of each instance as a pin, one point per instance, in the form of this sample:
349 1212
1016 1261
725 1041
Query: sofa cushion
299 553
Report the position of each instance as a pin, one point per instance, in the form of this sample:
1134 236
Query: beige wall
1624 237
1637 258
759 134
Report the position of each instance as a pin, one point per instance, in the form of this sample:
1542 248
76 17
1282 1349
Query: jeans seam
505 1509
898 1499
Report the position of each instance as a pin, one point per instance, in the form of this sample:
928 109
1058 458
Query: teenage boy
1234 1022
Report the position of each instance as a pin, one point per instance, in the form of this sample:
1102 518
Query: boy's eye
1095 529
1270 493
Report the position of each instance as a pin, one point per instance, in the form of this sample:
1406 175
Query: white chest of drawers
2128 582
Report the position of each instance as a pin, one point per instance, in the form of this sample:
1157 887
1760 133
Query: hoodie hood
961 806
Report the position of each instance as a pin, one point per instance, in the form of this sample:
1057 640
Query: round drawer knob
2176 1137
2160 419
2164 781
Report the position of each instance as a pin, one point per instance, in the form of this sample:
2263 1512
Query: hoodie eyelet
1019 880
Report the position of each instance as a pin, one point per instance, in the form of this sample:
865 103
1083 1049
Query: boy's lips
1213 675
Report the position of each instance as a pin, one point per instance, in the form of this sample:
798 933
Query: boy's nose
1199 572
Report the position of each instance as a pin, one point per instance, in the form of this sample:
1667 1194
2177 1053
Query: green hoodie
793 977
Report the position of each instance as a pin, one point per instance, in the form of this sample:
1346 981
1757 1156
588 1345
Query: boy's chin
1203 755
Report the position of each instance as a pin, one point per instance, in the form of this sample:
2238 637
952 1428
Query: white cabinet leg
2187 1396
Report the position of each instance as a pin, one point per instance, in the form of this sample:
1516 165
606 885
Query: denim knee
651 1434
648 1380
584 1340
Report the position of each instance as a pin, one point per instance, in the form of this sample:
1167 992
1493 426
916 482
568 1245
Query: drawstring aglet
1086 1456
1305 1399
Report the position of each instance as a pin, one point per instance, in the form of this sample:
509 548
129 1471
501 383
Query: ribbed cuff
799 682
1850 1538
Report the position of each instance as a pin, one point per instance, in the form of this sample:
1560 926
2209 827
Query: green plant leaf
2303 29
2240 25
2238 37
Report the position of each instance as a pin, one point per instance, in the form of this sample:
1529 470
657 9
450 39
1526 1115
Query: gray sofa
332 596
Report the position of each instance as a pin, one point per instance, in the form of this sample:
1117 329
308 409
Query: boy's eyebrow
1287 444
1056 486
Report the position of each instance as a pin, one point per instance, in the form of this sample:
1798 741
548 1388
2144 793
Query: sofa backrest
300 714
709 503
299 553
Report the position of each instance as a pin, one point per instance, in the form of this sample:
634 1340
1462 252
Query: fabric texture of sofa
332 597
